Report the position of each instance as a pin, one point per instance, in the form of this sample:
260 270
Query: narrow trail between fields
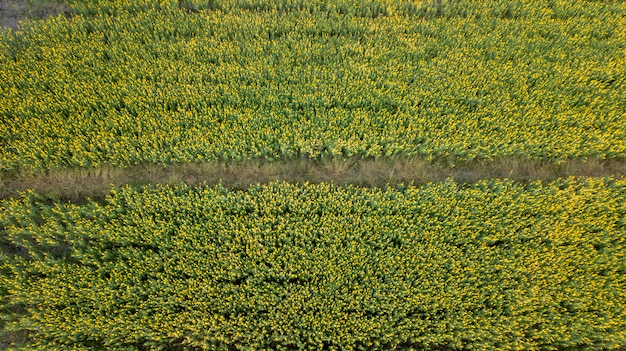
78 185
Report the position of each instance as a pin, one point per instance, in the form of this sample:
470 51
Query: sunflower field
124 82
493 265
497 265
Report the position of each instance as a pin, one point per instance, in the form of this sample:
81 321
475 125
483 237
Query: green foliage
124 82
493 266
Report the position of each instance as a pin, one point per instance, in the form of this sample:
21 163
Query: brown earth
12 12
78 185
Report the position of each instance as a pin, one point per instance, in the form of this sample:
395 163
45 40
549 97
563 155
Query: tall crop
125 82
493 266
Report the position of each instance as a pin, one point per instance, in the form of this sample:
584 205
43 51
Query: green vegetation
388 94
493 266
128 82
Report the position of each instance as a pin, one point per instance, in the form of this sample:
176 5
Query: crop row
493 266
126 82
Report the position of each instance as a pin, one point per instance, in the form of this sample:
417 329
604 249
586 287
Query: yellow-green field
493 266
128 82
424 152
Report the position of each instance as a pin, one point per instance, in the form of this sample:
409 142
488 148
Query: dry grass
14 11
80 184
12 340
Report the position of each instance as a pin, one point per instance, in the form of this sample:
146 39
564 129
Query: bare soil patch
12 12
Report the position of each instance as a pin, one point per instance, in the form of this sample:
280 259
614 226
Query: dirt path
79 184
14 11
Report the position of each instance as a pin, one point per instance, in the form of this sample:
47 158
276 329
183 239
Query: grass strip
78 185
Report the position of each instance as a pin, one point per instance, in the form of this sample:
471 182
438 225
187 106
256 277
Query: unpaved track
78 185
14 11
